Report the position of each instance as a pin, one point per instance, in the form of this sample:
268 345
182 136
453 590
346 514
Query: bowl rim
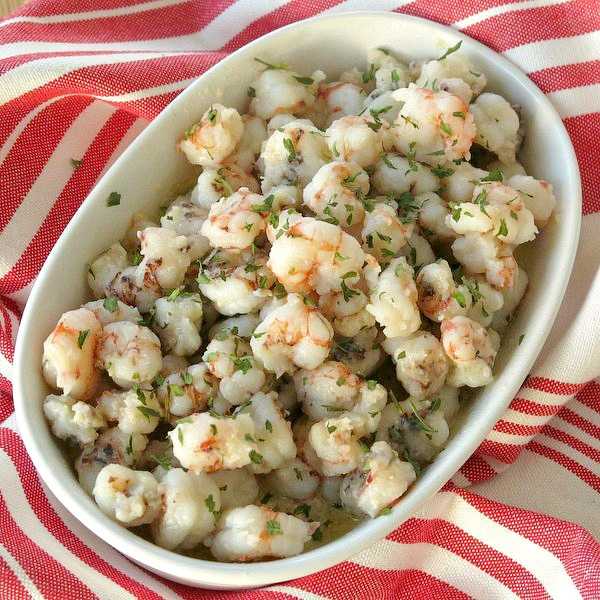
217 575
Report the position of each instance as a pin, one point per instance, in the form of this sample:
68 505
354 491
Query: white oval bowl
150 171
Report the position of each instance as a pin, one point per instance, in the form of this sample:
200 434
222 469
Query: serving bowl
151 171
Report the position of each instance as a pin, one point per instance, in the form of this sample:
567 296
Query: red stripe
520 27
37 142
169 21
567 76
13 446
446 12
477 470
568 463
576 549
551 386
6 334
289 13
516 428
530 407
42 8
51 578
506 453
6 401
10 585
578 421
572 441
447 535
68 201
590 396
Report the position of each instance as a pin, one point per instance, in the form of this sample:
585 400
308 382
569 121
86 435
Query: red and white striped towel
81 78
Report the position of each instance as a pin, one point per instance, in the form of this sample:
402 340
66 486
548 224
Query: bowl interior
151 172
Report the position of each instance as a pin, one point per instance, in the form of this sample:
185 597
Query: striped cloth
81 78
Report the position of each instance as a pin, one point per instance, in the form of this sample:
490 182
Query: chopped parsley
114 199
304 80
493 175
255 457
82 337
275 66
76 163
110 304
451 50
289 146
147 411
273 527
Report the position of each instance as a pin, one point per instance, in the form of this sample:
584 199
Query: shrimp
139 222
485 253
295 480
172 364
69 353
135 411
417 251
127 496
190 505
293 154
459 185
340 99
255 532
72 419
507 171
110 310
237 488
360 353
273 434
512 297
279 91
166 256
390 73
397 175
355 139
130 354
188 391
393 300
497 126
293 335
205 442
314 255
241 325
235 222
486 300
237 282
384 233
112 446
336 193
177 322
537 195
104 268
433 127
214 184
186 218
346 311
439 296
496 208
421 364
432 217
381 480
214 138
255 133
382 107
472 350
453 67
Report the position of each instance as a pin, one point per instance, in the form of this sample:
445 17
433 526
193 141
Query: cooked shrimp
205 442
486 300
472 350
135 411
293 154
111 446
439 296
214 184
139 222
190 505
237 282
380 481
188 391
294 335
280 91
186 218
215 137
127 496
103 270
384 232
360 353
346 311
336 193
130 353
439 73
433 127
485 253
255 133
497 126
110 310
537 195
355 139
394 299
295 480
72 419
459 185
178 320
241 325
417 251
69 354
390 73
512 297
432 217
421 364
254 532
314 255
395 174
237 488
341 99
